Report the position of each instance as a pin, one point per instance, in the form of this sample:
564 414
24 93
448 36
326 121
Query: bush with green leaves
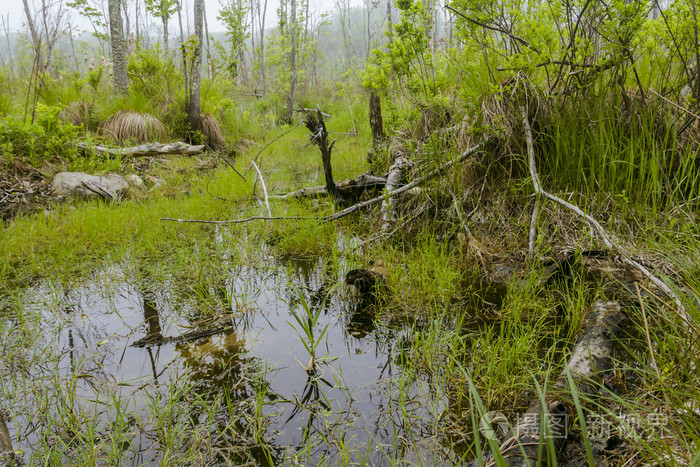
46 138
408 58
153 76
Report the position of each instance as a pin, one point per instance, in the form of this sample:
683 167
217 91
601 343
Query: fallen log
429 176
144 150
589 364
349 189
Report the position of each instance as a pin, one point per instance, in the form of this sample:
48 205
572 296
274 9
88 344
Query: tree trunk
136 19
390 24
6 27
289 114
307 75
36 39
125 8
319 135
121 80
431 24
182 46
253 32
194 104
262 47
72 48
376 122
166 47
242 70
210 71
369 29
342 13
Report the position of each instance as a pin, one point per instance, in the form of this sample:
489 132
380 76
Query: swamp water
240 395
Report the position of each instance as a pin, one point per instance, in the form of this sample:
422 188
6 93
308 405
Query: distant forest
333 38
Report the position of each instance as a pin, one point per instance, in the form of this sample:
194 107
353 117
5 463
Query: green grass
454 355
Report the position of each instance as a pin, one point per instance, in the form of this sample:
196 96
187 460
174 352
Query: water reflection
254 397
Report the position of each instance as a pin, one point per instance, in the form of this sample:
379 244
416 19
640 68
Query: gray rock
82 185
135 181
155 182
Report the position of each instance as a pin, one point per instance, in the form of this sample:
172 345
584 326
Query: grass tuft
127 125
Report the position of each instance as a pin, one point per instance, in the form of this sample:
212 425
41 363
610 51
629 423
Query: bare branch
595 224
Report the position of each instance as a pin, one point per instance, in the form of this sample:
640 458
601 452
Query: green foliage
408 59
95 16
153 76
233 16
45 139
162 9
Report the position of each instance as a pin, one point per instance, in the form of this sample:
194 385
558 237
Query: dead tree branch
150 149
595 224
429 176
238 221
262 182
319 136
348 189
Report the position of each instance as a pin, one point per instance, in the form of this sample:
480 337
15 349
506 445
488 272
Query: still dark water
359 395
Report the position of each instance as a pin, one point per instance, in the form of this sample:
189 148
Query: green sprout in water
306 320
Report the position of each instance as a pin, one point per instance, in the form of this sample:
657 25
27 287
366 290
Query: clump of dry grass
127 125
76 113
212 131
432 119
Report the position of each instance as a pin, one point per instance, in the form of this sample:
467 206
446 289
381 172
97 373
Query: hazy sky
14 9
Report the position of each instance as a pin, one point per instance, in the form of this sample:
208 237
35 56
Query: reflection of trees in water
150 313
226 378
77 338
228 390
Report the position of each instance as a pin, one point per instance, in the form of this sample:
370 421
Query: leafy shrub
152 75
44 139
